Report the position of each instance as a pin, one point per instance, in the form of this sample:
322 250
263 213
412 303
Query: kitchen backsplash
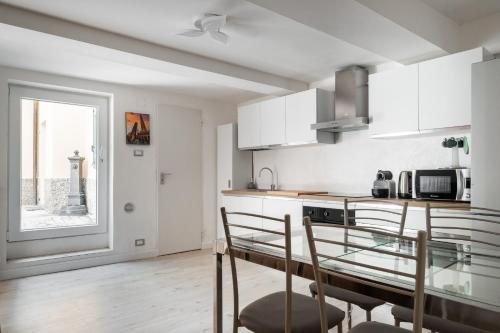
351 164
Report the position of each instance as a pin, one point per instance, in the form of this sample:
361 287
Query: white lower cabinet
278 207
241 204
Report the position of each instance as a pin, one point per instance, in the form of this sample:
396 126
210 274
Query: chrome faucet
273 185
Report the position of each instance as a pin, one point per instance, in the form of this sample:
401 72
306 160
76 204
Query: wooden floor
166 294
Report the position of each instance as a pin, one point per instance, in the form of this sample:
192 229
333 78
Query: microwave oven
442 184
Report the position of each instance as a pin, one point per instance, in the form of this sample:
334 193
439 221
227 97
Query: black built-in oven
327 215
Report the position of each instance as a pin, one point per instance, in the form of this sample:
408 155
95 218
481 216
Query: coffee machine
384 186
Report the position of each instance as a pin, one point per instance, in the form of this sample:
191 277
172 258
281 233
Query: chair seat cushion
367 303
433 323
375 327
267 314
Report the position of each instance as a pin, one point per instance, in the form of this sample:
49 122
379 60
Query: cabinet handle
229 183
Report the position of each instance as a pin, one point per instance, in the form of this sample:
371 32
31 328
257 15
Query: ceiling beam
129 50
421 19
401 39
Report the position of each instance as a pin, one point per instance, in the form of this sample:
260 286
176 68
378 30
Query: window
57 163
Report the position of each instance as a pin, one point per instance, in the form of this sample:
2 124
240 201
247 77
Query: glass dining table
462 281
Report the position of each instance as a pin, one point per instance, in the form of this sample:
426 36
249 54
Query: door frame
102 102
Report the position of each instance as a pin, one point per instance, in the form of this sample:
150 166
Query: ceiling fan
211 24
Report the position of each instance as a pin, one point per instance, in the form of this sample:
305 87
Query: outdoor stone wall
27 192
56 194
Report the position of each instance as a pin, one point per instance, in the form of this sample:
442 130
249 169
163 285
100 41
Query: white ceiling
272 42
464 11
260 39
41 52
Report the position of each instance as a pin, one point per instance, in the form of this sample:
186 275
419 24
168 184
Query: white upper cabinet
285 120
272 122
249 126
445 90
304 109
393 101
300 114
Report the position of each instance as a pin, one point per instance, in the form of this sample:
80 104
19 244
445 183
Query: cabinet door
445 90
278 208
224 157
249 126
244 205
272 121
393 101
225 150
300 115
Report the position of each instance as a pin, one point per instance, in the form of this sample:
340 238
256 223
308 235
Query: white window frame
102 105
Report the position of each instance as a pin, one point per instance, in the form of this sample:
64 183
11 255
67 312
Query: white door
38 119
179 178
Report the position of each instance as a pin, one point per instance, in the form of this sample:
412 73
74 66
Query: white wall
129 172
351 164
482 32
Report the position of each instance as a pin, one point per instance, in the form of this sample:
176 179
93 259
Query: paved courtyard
34 217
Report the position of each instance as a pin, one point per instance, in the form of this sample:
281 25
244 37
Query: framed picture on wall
137 128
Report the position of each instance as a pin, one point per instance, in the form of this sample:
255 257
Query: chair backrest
287 248
463 225
386 217
419 276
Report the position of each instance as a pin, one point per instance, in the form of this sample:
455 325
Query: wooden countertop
323 196
278 193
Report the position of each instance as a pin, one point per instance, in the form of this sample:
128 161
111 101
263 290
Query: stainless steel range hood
351 102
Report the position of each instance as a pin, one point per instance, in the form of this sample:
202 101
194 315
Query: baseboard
18 270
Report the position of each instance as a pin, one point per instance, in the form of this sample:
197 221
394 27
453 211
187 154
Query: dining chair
386 218
417 292
452 224
283 311
376 214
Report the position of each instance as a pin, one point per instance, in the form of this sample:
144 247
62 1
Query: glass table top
467 274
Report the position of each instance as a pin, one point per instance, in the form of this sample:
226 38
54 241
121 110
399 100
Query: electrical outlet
140 242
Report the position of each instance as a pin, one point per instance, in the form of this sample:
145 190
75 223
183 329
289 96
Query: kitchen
416 122
399 137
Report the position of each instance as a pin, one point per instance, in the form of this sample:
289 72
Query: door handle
163 176
101 154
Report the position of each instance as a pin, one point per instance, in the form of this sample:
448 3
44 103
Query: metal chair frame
349 219
401 222
477 214
288 260
418 277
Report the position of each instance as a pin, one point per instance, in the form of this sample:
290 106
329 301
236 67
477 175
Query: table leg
218 294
